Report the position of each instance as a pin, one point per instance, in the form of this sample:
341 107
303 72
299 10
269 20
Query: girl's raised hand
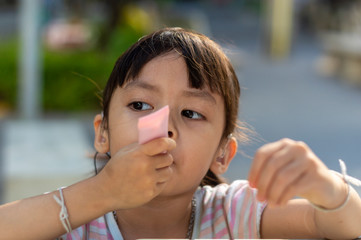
287 168
137 173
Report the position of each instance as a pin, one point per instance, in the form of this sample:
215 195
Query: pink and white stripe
225 211
230 211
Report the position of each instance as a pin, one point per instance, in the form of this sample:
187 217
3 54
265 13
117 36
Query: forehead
169 73
166 63
174 64
170 68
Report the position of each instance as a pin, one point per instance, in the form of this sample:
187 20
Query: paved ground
285 99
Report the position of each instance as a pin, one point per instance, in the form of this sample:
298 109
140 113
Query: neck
160 218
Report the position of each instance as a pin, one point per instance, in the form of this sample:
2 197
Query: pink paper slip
154 125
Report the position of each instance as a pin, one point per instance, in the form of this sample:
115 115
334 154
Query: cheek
196 163
121 134
201 150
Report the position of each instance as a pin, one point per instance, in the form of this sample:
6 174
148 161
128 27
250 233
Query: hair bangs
197 53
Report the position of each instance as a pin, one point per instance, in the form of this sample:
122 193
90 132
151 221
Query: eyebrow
147 86
203 94
200 94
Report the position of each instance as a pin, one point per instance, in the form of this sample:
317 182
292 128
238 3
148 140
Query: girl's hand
137 173
286 168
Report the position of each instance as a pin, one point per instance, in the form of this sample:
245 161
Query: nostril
170 134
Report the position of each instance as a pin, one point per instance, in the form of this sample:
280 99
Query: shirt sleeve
230 211
96 229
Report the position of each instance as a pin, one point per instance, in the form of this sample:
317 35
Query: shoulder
232 205
238 190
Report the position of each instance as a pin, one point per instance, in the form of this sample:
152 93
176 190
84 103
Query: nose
170 134
173 131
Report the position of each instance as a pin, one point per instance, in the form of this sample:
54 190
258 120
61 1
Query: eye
192 114
140 106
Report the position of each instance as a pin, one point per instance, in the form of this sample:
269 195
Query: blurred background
298 62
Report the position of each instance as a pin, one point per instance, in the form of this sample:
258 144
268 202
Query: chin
178 189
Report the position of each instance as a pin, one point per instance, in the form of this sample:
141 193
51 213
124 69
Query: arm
285 169
343 223
38 217
298 219
132 177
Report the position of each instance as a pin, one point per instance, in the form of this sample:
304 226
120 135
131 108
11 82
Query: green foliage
8 73
66 85
122 38
69 75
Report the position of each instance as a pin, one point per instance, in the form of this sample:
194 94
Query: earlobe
232 147
220 163
101 141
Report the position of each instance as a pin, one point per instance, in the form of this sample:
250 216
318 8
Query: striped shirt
225 211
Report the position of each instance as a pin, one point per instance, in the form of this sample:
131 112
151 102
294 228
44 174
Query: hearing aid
221 157
154 125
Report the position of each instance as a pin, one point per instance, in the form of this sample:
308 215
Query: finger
158 146
271 169
284 180
297 186
305 164
162 160
164 174
260 157
159 187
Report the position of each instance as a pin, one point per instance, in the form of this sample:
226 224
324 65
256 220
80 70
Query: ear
224 157
101 141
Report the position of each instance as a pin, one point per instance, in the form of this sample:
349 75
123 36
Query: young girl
170 187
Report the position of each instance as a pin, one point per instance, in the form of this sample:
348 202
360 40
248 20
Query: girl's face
196 118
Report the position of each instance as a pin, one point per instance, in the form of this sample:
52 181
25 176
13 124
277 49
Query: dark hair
207 66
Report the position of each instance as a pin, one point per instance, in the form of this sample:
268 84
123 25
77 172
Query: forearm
38 217
343 223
